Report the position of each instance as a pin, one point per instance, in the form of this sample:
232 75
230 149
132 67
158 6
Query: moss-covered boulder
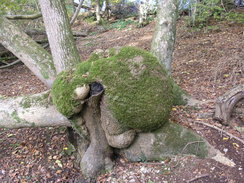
169 140
137 89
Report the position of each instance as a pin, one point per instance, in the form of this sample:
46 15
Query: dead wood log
40 32
18 17
226 103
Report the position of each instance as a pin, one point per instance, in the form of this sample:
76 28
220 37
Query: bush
202 13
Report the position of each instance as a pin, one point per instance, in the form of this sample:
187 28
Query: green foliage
203 12
235 17
121 24
138 93
90 19
17 6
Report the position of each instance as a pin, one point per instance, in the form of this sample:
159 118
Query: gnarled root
98 155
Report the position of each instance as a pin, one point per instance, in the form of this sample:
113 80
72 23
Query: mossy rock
171 139
137 88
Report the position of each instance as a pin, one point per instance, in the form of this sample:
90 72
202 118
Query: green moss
93 57
15 116
175 139
178 94
112 51
27 101
138 92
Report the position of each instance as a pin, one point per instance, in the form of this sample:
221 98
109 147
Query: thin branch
76 12
223 131
17 17
8 65
189 143
83 6
202 176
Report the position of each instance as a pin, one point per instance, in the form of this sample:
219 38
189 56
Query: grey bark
30 111
98 15
34 56
225 104
164 36
62 44
143 9
98 155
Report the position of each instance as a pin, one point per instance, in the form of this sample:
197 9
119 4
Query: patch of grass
90 44
121 24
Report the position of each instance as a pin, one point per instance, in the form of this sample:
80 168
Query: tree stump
226 103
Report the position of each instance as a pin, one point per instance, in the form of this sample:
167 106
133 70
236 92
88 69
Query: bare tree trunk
62 44
30 111
98 16
143 10
34 56
164 35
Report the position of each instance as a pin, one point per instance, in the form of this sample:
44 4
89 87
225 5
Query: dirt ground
206 64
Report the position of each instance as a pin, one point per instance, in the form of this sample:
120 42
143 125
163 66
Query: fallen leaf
59 163
226 138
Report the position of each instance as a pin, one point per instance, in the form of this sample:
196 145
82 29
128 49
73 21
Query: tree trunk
226 103
143 9
62 44
34 56
30 111
76 12
98 16
164 35
98 155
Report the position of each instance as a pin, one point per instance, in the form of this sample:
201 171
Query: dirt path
205 65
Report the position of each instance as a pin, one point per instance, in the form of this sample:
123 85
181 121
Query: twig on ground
189 143
202 176
5 66
221 130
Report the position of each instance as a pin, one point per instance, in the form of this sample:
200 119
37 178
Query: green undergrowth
137 88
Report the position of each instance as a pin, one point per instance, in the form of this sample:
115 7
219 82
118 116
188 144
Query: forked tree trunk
226 103
95 156
34 56
164 36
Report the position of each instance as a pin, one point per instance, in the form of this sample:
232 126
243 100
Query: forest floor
206 64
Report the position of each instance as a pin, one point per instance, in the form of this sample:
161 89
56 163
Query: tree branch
33 55
30 111
76 12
